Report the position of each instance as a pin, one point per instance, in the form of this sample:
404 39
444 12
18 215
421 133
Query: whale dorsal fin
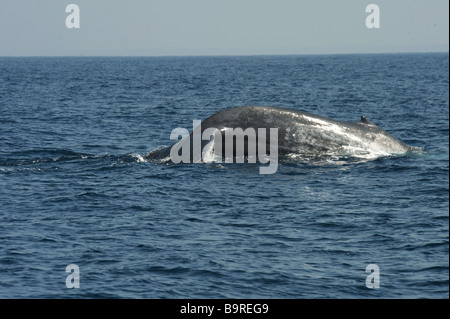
364 120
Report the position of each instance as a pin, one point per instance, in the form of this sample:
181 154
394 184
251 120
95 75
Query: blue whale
303 135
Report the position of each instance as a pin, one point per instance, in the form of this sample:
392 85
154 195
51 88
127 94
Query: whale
300 135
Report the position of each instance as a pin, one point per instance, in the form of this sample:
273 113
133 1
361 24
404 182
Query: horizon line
218 55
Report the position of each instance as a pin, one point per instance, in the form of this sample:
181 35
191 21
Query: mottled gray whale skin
306 135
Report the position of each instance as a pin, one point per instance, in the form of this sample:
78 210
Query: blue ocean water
75 187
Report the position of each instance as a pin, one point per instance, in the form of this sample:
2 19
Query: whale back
306 133
303 135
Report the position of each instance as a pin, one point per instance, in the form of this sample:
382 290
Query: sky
221 27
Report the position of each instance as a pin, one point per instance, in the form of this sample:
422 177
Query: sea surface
76 189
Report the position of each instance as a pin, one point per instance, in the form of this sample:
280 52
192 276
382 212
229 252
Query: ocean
83 214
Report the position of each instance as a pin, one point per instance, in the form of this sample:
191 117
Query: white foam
140 158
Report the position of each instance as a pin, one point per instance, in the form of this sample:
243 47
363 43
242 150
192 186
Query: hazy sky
221 27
